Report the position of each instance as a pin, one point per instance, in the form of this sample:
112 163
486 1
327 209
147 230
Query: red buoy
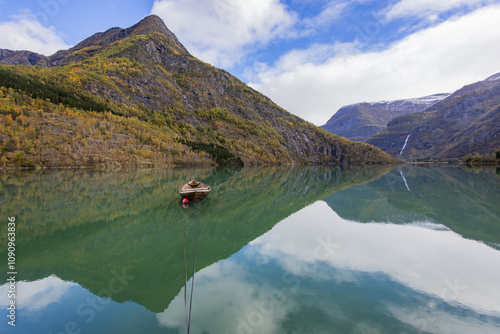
185 201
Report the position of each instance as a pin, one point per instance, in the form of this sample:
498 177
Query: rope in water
185 268
188 319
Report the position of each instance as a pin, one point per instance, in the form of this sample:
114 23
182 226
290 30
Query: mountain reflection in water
280 250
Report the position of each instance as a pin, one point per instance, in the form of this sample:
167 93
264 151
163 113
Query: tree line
39 90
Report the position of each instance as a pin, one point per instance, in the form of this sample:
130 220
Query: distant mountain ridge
361 121
466 122
156 103
9 57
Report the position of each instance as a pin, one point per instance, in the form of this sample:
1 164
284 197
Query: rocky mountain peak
100 40
154 24
151 24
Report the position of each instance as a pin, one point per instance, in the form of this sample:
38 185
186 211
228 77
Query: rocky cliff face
468 121
361 121
144 72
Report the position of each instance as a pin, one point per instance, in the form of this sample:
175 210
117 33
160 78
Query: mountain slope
156 98
468 121
361 121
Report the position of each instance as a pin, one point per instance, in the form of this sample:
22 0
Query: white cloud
25 32
426 8
438 59
331 12
222 32
235 300
37 295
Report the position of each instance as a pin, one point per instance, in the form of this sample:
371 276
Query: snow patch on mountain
425 100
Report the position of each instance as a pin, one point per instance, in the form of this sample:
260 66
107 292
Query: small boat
194 191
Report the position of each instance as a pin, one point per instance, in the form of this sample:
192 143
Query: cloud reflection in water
316 271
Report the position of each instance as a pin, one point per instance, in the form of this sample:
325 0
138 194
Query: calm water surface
273 250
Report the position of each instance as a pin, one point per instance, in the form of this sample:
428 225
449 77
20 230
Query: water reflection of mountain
464 200
83 225
363 204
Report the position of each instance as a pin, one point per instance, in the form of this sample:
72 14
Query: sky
311 57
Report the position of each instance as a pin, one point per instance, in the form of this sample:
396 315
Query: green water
278 250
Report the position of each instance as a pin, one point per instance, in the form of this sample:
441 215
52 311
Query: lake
411 249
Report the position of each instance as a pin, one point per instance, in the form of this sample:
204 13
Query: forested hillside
136 96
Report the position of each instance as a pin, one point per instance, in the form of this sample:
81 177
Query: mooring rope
188 319
185 267
194 266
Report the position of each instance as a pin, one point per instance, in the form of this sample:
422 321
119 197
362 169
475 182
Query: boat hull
196 195
194 191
